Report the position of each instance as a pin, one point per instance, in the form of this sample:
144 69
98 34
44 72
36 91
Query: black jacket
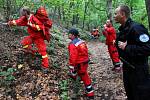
138 42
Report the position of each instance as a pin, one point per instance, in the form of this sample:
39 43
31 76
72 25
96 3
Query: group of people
131 46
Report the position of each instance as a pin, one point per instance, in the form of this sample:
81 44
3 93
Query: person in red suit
110 34
35 29
95 32
78 61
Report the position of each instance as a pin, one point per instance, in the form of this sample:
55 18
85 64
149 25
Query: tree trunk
59 13
85 10
109 9
147 3
54 12
7 9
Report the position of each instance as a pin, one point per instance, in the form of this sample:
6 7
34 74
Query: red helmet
42 12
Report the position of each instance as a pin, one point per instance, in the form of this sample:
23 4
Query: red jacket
110 34
95 32
35 27
78 52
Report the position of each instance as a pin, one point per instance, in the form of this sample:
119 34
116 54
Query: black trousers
136 83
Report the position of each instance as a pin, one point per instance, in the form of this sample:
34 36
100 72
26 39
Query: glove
72 70
30 24
71 67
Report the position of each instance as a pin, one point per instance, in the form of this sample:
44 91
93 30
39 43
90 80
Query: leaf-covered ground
32 84
107 84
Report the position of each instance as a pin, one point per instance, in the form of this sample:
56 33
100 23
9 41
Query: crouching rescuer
78 61
38 32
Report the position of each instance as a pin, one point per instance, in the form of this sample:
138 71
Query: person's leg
27 49
40 44
26 43
115 57
130 85
82 72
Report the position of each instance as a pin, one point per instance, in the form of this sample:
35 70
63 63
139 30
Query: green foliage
8 74
51 48
65 11
63 85
102 38
77 88
85 36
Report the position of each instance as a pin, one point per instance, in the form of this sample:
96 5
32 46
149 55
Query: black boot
90 98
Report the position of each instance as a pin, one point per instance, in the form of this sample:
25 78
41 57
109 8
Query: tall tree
109 9
147 3
85 11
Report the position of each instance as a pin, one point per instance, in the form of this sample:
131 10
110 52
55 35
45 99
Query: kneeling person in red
78 61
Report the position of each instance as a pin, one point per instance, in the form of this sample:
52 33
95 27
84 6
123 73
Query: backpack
42 16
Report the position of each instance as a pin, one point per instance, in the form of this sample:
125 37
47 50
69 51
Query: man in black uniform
133 44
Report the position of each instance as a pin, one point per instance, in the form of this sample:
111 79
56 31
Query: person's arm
108 30
104 31
142 46
22 21
73 54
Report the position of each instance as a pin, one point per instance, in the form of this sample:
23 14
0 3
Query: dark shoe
73 77
90 92
117 69
117 64
44 70
90 98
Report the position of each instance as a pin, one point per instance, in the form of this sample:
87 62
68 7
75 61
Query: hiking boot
117 69
90 98
90 92
73 77
44 70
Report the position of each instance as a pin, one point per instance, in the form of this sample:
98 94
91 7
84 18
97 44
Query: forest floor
108 85
31 84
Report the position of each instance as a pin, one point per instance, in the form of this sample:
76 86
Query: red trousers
82 72
113 53
41 46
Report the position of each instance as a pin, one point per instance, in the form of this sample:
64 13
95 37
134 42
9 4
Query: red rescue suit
110 34
35 30
95 32
78 58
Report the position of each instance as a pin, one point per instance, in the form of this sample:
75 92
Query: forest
27 82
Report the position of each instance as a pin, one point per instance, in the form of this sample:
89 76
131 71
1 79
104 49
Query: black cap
73 31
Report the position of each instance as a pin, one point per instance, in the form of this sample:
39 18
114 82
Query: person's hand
104 26
10 23
71 67
30 24
122 45
114 41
